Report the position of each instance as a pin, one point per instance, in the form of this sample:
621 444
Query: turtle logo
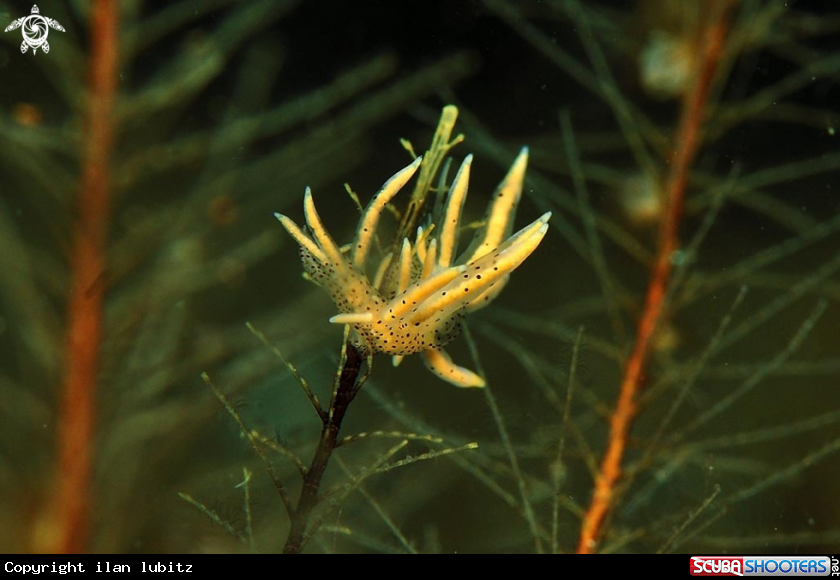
35 30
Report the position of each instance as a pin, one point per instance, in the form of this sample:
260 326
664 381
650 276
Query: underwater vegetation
659 375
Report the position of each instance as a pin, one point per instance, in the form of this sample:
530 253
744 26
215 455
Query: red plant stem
686 143
77 413
346 390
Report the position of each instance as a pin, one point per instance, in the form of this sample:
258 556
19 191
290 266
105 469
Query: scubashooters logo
762 566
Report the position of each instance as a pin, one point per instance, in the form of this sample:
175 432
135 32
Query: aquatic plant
667 376
134 160
722 323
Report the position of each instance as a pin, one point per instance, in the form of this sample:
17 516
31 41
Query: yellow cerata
418 296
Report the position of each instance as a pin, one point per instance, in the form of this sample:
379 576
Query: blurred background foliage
227 109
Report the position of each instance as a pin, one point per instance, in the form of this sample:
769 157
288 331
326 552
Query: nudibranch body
419 296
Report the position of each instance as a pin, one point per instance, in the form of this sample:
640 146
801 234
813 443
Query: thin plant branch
77 413
686 142
347 386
